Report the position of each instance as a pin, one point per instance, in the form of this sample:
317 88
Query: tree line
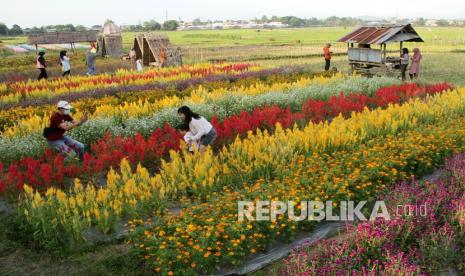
171 25
151 25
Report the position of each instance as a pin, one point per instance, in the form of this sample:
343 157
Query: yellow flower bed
205 236
258 156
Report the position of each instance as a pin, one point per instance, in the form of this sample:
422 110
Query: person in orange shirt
327 54
163 58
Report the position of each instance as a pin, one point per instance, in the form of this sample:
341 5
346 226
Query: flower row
19 91
247 80
144 107
34 145
108 152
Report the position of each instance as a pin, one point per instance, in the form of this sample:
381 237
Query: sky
27 13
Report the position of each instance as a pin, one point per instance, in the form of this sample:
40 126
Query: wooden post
382 54
401 46
383 46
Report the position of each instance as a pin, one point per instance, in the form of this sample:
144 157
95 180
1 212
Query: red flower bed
109 151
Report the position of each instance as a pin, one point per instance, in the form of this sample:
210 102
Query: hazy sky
29 13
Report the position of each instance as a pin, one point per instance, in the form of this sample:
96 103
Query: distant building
276 25
431 23
125 27
230 24
97 28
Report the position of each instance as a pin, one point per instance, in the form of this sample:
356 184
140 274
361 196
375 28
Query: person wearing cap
327 54
60 123
41 65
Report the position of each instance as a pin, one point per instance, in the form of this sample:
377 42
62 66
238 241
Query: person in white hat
60 122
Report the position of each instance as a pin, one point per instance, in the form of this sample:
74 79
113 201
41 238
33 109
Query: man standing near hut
404 60
133 58
163 58
91 56
327 55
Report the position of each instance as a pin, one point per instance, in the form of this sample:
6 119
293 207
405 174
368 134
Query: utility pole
166 15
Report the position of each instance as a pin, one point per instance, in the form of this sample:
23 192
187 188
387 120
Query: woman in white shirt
201 129
65 65
139 65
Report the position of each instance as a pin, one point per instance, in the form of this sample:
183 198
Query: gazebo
62 38
362 44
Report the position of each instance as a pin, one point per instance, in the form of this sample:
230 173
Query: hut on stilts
367 48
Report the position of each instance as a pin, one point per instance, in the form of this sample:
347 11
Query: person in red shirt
60 122
327 54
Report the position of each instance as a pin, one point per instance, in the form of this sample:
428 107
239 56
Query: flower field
50 170
404 245
283 134
15 92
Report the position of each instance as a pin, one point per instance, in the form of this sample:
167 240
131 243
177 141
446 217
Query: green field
307 36
447 36
443 49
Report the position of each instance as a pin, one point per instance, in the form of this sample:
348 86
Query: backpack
48 131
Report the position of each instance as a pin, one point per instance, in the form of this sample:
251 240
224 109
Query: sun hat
64 105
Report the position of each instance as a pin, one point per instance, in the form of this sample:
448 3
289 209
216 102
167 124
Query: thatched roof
62 38
111 28
156 48
110 45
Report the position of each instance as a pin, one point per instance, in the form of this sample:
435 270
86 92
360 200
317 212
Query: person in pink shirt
41 65
415 67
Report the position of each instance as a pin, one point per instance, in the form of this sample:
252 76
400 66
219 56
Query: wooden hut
110 45
157 50
62 38
111 41
367 46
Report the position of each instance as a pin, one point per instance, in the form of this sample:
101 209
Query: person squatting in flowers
61 122
200 128
187 136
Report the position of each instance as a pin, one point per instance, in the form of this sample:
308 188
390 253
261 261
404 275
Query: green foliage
170 25
442 23
15 30
3 29
151 25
